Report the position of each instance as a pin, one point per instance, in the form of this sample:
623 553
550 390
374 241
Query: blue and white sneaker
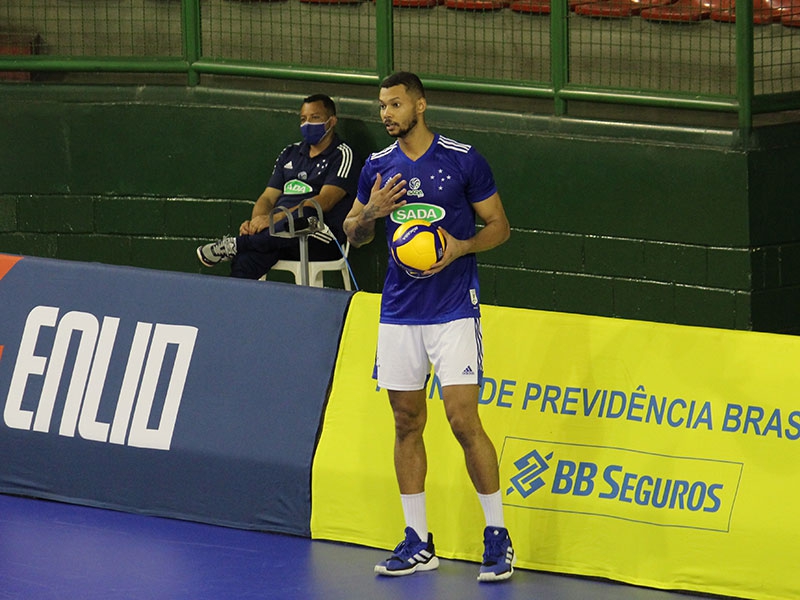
498 556
410 555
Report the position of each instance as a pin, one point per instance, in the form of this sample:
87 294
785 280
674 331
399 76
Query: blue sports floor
55 551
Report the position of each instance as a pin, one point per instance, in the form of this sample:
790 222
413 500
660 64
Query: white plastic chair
317 267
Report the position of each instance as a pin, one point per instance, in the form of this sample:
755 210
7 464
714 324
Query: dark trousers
257 254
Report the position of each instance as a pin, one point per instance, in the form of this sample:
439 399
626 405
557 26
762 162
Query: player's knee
408 423
465 428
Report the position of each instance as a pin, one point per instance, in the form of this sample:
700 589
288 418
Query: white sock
414 512
493 509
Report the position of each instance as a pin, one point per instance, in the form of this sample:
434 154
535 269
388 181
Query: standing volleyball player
434 319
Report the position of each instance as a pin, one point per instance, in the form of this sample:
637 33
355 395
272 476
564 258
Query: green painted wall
680 225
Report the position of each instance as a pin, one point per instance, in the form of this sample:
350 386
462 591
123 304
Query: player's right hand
383 199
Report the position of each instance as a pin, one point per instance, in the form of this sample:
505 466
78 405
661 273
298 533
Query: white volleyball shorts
406 352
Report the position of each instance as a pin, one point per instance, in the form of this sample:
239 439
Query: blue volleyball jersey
442 185
300 177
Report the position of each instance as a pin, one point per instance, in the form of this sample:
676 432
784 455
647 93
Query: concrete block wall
680 225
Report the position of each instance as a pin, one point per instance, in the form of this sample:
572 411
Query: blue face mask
313 132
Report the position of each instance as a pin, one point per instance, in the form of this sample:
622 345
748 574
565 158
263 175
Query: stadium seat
415 3
791 18
617 9
476 4
316 268
762 13
331 1
683 11
18 44
532 7
541 7
573 4
784 8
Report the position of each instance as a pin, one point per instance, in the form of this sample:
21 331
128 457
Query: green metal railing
738 67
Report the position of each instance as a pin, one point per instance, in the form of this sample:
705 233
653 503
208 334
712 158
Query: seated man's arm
328 197
259 218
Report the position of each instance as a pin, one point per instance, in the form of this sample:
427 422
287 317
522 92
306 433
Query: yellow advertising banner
653 454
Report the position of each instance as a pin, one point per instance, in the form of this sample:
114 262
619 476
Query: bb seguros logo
657 489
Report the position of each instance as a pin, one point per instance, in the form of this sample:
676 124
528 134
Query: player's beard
404 131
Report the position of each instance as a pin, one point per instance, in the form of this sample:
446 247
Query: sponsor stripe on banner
7 262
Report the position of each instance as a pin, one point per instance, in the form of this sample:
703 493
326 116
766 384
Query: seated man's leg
257 254
317 250
254 255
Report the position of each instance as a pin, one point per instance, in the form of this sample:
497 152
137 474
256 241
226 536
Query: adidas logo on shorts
468 371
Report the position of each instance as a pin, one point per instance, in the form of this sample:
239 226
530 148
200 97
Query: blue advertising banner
163 393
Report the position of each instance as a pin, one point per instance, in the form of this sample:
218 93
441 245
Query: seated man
321 167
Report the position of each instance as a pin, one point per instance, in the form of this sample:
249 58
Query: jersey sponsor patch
418 210
296 187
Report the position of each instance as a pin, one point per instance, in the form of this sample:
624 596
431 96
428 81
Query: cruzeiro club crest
414 188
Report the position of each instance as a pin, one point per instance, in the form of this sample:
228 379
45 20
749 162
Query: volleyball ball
416 245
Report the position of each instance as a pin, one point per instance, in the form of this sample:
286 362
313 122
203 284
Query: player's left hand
453 249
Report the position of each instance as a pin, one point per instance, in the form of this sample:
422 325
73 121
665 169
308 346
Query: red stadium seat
18 44
682 11
331 1
541 7
573 4
617 9
762 13
415 3
784 8
533 7
476 4
791 19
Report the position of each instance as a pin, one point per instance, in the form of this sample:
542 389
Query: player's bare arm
360 222
495 231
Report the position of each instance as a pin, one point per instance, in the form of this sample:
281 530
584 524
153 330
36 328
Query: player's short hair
329 104
410 81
